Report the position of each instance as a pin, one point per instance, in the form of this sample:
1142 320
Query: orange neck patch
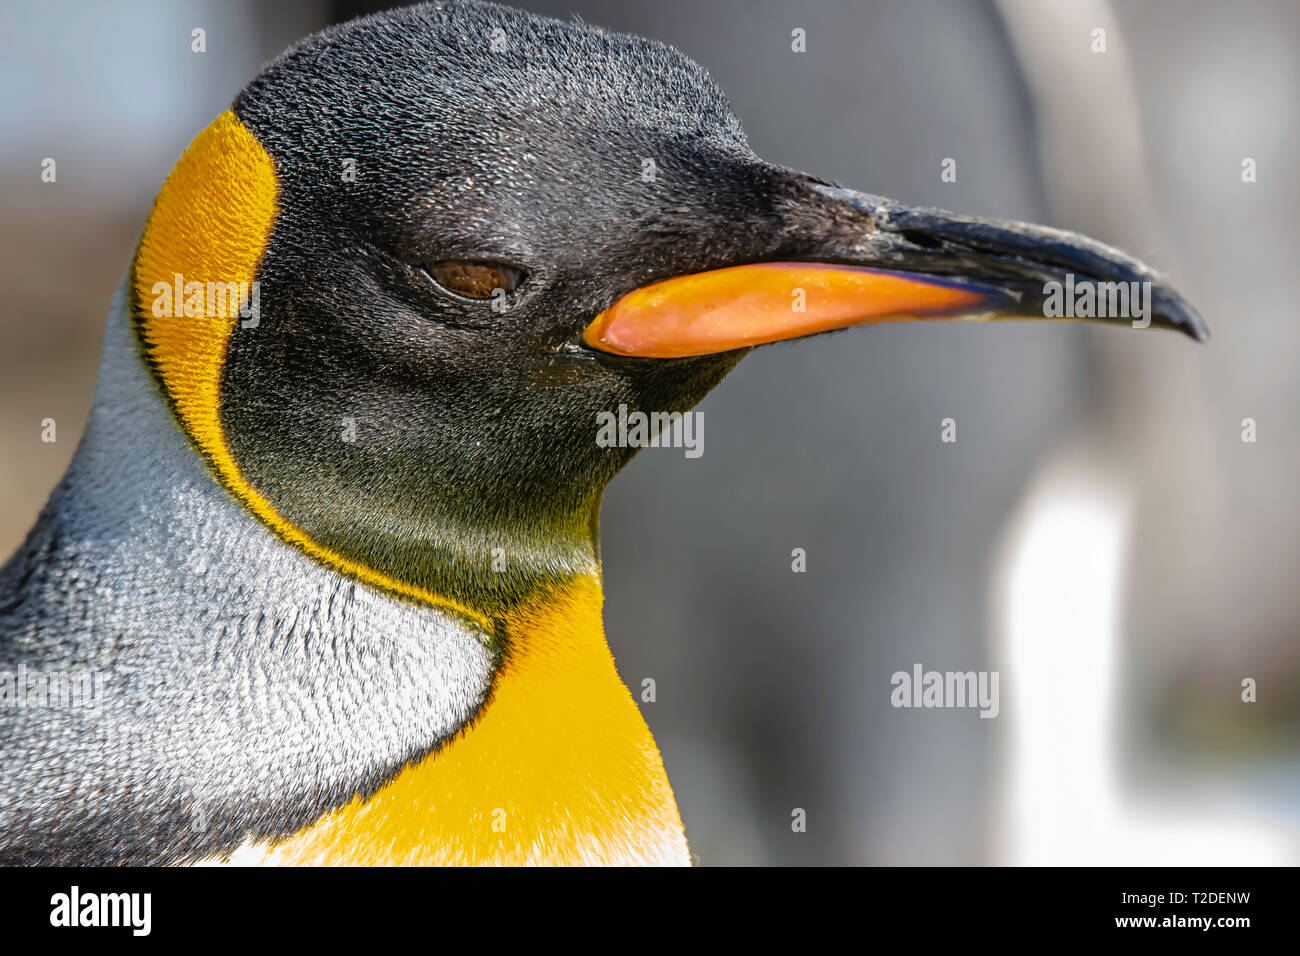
210 225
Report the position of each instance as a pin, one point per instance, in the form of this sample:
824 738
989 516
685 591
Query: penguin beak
861 259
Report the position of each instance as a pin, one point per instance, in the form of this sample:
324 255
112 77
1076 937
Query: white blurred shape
1065 804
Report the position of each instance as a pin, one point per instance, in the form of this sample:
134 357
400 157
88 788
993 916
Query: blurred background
1099 534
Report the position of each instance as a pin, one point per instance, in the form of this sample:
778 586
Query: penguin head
473 231
463 189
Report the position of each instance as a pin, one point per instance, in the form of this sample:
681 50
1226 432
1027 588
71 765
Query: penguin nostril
922 239
471 279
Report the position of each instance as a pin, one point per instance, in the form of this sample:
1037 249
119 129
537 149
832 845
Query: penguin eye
473 280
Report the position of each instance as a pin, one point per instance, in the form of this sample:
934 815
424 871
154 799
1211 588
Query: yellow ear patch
194 270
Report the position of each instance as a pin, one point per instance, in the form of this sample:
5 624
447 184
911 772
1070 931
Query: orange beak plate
749 305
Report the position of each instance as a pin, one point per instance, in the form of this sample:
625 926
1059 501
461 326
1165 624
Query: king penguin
328 547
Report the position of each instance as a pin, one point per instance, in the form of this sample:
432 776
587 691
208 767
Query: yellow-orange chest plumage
558 768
